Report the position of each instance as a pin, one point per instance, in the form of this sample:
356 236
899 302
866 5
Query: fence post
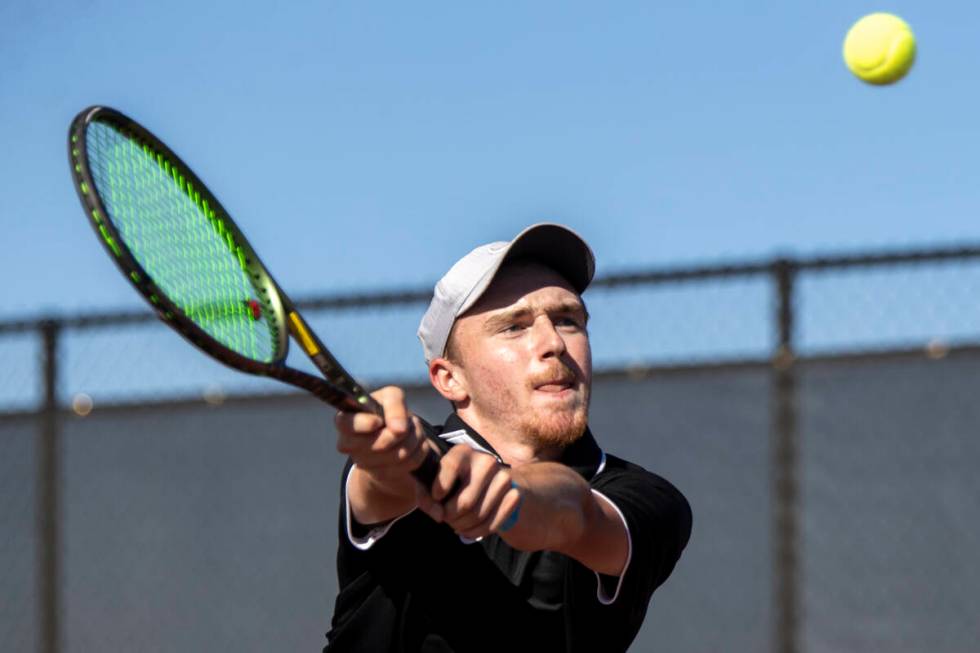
785 460
48 488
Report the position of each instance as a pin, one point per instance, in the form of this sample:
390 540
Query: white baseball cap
552 245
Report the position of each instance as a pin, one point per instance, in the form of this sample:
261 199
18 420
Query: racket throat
302 334
323 362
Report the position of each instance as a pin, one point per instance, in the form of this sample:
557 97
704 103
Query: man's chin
559 430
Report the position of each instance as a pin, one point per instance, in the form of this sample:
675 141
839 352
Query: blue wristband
514 516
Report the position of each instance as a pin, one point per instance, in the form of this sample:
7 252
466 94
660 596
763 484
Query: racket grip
426 472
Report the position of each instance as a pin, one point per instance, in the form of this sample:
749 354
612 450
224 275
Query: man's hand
554 507
484 495
385 452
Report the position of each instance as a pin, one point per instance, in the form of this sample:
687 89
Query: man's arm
561 513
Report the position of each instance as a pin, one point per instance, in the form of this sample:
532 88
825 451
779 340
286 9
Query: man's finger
388 440
469 498
425 503
498 487
362 423
352 443
453 468
396 414
464 515
480 529
508 512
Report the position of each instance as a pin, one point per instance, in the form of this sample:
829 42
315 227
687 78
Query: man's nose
548 341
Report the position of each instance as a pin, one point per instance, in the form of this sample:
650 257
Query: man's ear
448 379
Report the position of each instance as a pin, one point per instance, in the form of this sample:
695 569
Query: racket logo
255 309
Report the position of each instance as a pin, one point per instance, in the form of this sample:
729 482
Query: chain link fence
890 543
819 413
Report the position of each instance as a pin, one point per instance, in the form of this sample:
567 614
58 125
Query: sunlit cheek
493 376
581 353
505 354
502 380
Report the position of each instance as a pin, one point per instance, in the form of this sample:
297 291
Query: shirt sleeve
658 520
607 587
363 537
609 610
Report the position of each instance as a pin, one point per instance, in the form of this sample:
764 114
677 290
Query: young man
531 538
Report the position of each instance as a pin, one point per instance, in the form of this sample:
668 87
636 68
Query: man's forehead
514 283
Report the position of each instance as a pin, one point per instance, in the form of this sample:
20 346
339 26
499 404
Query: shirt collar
583 455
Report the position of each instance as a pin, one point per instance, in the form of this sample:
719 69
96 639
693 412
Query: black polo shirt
415 586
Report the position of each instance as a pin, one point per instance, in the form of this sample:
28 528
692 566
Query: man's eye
569 322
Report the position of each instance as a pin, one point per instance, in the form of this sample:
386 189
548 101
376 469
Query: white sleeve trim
462 437
601 594
376 533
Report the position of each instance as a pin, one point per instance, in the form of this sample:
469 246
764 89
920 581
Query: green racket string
180 241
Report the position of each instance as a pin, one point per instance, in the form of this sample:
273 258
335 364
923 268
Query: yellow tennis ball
879 48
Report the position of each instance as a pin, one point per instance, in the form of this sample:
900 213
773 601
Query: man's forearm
560 513
376 498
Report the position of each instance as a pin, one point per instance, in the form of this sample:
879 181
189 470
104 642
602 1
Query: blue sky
368 145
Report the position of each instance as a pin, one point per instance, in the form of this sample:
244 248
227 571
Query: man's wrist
378 497
364 534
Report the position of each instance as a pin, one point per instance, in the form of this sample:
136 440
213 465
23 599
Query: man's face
523 357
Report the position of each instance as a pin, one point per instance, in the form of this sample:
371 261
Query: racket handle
426 472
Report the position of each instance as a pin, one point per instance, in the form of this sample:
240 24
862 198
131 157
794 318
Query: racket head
175 243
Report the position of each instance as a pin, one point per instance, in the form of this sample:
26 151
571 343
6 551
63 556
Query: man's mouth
556 385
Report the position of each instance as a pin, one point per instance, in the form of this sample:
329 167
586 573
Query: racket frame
337 388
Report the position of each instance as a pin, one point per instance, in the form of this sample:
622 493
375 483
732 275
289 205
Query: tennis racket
182 252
